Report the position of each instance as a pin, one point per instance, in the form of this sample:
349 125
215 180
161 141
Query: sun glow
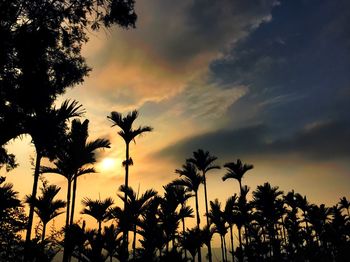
107 164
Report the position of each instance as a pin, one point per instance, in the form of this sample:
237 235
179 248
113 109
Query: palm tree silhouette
98 209
82 153
191 179
236 170
111 240
128 134
230 214
217 217
151 231
170 215
345 204
204 163
182 195
46 129
73 160
46 207
192 242
266 201
136 206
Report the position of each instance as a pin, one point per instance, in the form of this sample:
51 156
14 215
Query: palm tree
128 134
345 204
98 209
111 240
191 179
266 201
182 195
169 214
192 241
236 170
230 214
204 163
136 206
153 237
217 217
46 129
73 160
82 153
45 206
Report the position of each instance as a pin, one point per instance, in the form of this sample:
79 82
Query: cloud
317 141
171 47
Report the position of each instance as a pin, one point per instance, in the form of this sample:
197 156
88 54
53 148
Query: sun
108 164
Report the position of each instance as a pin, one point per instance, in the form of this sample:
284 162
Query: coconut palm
128 134
236 170
190 179
46 207
204 163
46 129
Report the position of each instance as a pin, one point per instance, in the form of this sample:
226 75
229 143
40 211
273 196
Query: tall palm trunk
33 196
183 232
66 256
225 250
198 223
232 248
126 230
43 233
240 187
134 243
240 244
222 249
69 192
206 211
73 199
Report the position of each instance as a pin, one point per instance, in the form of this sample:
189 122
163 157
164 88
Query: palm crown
125 123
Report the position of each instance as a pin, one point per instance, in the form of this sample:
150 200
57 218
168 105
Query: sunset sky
265 81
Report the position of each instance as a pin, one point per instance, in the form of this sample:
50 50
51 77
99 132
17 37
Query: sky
265 81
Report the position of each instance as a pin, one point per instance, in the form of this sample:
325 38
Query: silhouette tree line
271 226
40 58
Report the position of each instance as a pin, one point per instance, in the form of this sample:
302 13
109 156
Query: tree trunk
126 230
232 247
222 249
240 244
225 249
206 213
183 232
33 196
198 224
66 256
134 244
31 206
240 187
73 199
69 191
43 233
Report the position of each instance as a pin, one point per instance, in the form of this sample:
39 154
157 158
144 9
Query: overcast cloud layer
295 68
